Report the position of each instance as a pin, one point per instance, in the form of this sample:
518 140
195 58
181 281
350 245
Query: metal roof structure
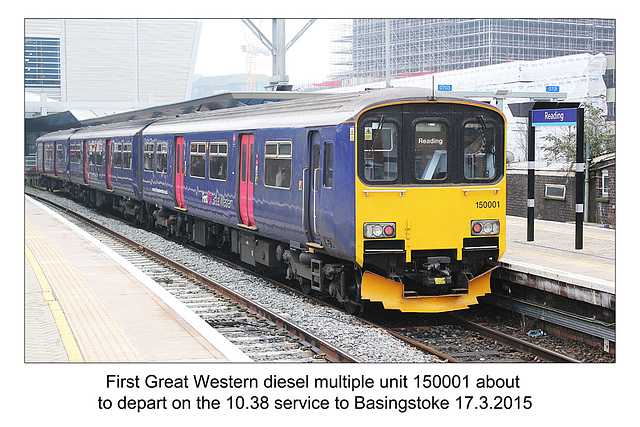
71 119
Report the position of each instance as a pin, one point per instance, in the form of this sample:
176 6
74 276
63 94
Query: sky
220 53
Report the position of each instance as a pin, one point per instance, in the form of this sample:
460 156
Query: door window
198 159
327 178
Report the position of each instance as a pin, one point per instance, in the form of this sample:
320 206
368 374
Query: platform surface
84 303
552 252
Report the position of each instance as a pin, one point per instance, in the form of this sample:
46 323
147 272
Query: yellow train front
430 202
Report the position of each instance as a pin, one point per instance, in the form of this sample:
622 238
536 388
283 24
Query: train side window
99 153
127 149
218 160
148 156
277 164
430 150
161 157
328 165
479 149
198 152
117 155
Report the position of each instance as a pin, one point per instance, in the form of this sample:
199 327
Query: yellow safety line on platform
68 340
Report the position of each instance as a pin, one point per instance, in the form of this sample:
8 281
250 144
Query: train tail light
485 227
379 230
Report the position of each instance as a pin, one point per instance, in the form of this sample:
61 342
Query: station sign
445 88
553 88
555 117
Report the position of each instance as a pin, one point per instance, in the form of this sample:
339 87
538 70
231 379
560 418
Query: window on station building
605 182
555 191
41 62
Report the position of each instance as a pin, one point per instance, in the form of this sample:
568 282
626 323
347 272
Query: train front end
430 203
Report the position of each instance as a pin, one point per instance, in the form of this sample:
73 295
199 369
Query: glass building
435 45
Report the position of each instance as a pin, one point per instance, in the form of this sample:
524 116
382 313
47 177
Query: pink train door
179 173
246 182
107 163
85 159
55 158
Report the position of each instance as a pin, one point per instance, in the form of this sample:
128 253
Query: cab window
430 148
479 150
381 151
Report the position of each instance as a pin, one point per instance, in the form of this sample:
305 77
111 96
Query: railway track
460 340
268 335
260 333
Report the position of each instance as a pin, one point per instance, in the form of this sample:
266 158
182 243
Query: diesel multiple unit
388 196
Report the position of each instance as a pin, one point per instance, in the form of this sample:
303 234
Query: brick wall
545 208
602 206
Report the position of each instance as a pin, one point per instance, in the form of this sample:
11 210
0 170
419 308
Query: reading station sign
555 117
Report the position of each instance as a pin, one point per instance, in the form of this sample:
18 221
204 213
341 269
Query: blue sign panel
445 88
553 88
557 117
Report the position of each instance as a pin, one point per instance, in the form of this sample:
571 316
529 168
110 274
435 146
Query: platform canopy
80 118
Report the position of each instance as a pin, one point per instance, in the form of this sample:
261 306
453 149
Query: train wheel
305 286
353 308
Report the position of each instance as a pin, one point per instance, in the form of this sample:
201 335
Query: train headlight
485 227
379 230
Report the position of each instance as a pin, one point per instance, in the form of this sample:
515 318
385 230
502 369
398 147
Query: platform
85 303
551 263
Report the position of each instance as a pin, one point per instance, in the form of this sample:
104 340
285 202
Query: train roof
128 128
325 110
56 136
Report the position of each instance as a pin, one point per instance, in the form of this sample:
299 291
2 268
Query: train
388 196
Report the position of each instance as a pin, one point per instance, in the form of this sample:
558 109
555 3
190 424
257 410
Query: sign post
557 117
580 168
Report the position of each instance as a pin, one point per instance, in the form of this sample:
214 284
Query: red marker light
388 230
477 227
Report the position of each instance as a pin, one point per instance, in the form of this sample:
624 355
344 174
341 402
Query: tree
598 134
